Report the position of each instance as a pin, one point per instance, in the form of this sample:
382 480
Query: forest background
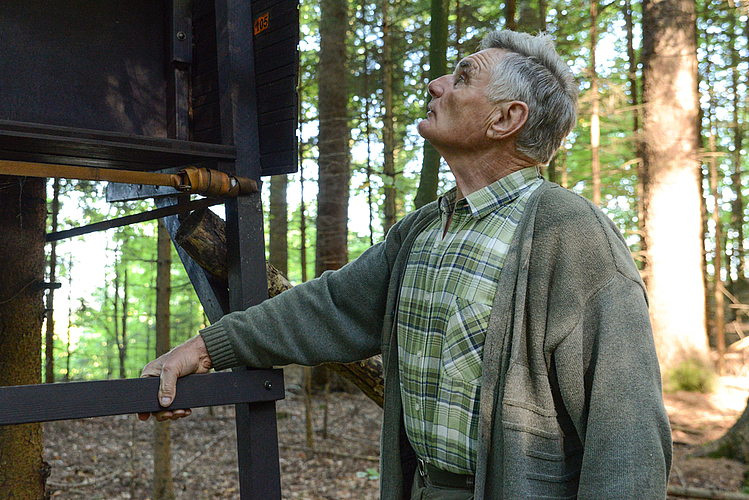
104 314
669 172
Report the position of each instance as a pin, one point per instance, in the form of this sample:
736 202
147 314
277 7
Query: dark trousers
422 490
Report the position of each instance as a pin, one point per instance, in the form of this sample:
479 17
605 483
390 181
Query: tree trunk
672 195
734 444
23 214
208 246
634 99
122 343
333 140
595 123
430 167
278 225
510 10
719 312
49 338
737 209
163 488
388 124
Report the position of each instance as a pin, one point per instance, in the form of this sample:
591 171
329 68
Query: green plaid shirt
445 302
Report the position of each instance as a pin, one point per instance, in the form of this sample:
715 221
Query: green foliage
371 474
99 300
690 375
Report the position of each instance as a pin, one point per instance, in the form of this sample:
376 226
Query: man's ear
509 118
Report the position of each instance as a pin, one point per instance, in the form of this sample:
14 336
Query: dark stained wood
72 146
95 65
72 400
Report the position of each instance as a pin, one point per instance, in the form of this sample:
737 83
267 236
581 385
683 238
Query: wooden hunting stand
157 86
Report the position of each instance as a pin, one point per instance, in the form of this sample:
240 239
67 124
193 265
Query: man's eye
460 79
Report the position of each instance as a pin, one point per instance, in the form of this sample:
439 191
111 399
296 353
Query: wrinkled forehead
481 61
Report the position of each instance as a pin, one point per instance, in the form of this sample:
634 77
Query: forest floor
112 458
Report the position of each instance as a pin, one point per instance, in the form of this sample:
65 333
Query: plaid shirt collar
488 199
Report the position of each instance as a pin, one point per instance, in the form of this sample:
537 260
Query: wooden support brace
72 400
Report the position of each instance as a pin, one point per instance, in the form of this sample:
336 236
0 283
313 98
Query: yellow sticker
261 23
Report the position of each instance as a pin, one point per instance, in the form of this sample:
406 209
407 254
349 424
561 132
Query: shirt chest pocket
463 344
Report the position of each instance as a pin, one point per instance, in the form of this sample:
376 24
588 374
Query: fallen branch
709 494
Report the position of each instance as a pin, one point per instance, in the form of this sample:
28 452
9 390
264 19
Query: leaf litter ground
112 458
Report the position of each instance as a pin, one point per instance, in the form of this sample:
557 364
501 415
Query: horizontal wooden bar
72 146
73 400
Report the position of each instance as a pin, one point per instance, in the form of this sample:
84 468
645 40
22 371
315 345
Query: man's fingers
168 385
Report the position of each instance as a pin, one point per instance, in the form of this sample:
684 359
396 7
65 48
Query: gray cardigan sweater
571 403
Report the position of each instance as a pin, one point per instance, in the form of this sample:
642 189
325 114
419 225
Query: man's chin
423 128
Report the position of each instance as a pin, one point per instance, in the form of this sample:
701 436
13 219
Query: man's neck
477 172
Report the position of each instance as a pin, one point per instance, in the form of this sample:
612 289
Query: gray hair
534 73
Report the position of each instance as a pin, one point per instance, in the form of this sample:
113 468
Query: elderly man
518 356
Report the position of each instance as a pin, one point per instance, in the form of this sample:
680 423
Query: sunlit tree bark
672 195
333 139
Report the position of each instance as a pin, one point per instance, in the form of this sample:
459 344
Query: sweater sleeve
337 317
618 408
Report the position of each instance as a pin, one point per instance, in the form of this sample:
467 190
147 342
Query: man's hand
186 359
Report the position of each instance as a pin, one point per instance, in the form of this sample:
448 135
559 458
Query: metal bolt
268 386
181 36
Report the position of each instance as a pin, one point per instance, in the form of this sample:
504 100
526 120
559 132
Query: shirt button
420 353
417 407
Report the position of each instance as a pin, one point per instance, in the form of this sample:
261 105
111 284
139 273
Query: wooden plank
88 64
73 400
279 163
279 136
67 145
279 115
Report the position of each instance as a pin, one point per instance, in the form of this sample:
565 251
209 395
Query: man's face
459 112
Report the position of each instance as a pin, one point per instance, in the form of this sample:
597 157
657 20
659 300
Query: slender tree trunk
163 488
388 122
737 211
333 139
68 347
23 215
122 344
672 195
595 124
719 313
634 99
510 11
49 338
430 168
278 225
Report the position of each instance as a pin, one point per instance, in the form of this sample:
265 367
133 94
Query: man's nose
435 87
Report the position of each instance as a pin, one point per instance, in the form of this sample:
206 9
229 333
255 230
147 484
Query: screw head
268 385
181 36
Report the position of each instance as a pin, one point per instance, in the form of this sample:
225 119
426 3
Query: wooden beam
72 400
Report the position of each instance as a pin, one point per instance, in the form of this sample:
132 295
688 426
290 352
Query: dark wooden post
257 445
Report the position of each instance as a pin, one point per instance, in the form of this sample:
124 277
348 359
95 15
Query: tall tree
737 209
430 168
278 226
388 139
163 488
595 124
672 195
23 216
49 338
333 139
634 100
